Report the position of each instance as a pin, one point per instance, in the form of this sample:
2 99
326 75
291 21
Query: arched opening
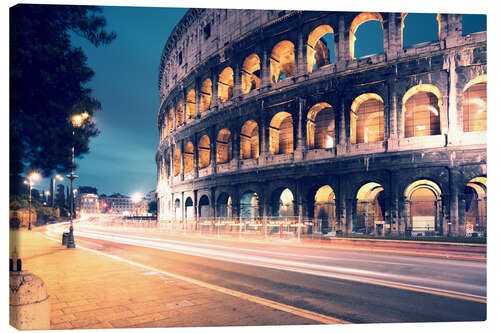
370 209
223 146
226 84
473 23
475 206
324 208
281 134
249 205
250 74
189 209
205 95
366 35
177 162
422 110
180 113
171 119
367 119
423 199
188 157
204 206
204 152
249 140
282 203
191 104
282 63
321 126
320 48
419 28
224 206
474 105
177 210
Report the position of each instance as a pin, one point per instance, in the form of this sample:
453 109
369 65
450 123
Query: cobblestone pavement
88 290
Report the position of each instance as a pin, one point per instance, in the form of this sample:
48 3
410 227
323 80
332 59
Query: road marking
255 299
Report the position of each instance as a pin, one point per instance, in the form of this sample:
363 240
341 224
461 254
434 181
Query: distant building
87 203
116 204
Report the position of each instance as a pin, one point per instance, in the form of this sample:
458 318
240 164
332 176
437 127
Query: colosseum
270 115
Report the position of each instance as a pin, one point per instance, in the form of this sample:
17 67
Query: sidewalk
89 290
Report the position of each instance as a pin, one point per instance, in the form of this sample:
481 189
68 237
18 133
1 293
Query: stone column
237 77
215 89
184 106
391 109
197 93
213 149
342 144
300 126
182 161
395 35
343 44
195 206
454 176
196 156
454 132
235 134
301 65
265 75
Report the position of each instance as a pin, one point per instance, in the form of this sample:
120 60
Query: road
355 285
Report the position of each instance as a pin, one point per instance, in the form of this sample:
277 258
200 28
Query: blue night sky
121 158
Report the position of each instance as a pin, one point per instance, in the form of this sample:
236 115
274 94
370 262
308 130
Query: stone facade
380 144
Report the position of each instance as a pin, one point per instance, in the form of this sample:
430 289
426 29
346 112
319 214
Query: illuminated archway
281 134
370 209
188 209
177 210
205 95
226 84
422 111
171 119
320 126
223 146
204 152
204 207
475 205
188 157
250 74
224 206
474 105
282 63
177 162
282 203
190 105
367 119
359 20
180 113
249 140
324 208
320 50
423 199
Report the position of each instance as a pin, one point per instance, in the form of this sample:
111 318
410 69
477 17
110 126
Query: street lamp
34 176
53 188
77 121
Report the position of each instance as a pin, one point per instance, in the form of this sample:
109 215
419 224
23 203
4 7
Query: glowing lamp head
136 197
78 119
34 176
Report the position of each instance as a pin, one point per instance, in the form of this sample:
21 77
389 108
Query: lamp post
53 187
77 121
31 178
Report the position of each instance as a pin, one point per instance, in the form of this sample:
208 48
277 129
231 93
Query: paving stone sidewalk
88 290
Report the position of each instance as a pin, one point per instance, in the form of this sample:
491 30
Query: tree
152 207
47 86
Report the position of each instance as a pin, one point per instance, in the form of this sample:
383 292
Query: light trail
352 274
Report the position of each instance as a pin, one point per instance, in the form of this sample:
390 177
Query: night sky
121 158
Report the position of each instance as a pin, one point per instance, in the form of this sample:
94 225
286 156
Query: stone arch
282 202
191 104
204 206
177 161
188 209
205 95
177 210
204 152
324 208
249 205
474 106
367 118
249 140
224 206
250 74
370 209
223 146
226 84
282 61
411 26
422 107
320 126
318 52
359 20
281 134
188 157
171 119
180 113
422 206
475 197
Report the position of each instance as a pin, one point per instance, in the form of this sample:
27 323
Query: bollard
65 238
29 302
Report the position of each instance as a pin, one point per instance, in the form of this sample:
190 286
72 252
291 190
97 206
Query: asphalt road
361 286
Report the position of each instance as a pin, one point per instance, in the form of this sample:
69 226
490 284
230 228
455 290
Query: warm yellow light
78 119
136 197
34 176
59 177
